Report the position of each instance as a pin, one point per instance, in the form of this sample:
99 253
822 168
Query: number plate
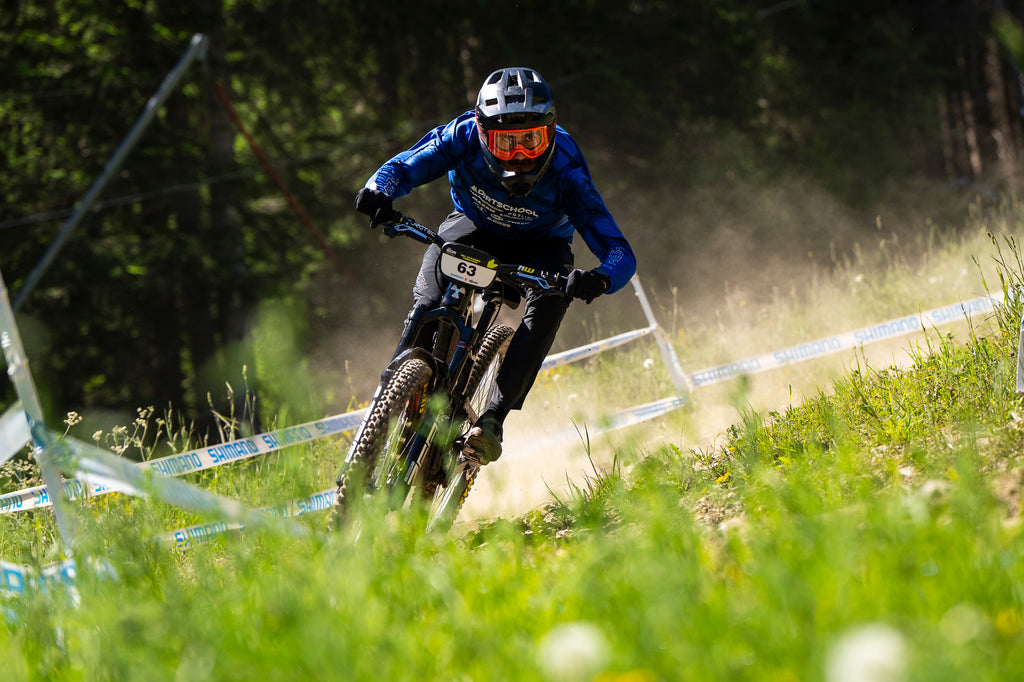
468 266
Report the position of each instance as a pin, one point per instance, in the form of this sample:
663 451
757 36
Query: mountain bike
410 444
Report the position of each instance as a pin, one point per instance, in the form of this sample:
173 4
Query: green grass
884 509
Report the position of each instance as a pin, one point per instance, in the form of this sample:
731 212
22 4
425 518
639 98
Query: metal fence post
44 448
679 378
197 49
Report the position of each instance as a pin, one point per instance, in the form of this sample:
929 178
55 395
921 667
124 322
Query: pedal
465 457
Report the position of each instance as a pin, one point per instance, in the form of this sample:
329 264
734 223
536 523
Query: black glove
375 204
587 284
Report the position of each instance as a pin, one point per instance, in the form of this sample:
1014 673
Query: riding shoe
483 442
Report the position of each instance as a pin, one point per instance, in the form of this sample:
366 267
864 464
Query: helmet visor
505 144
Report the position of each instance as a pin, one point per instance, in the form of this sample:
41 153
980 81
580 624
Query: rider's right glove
587 284
375 204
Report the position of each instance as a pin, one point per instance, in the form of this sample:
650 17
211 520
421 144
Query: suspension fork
459 369
411 330
448 318
460 326
456 322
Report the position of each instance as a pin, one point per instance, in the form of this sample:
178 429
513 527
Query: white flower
573 651
870 653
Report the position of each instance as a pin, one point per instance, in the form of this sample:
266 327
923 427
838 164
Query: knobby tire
377 462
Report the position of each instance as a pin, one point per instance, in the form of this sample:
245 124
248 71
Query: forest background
742 146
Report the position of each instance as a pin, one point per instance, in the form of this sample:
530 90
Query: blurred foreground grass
873 527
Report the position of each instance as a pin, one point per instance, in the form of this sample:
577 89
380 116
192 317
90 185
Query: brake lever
393 227
542 283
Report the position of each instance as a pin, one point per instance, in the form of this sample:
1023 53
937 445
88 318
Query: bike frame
455 315
455 324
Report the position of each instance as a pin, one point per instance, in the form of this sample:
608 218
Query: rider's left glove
587 284
377 205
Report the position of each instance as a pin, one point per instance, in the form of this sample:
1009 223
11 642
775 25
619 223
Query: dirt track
537 462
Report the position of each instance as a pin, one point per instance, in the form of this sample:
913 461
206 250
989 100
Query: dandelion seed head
573 651
876 652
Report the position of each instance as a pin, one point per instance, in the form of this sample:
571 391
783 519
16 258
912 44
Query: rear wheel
481 385
447 500
377 459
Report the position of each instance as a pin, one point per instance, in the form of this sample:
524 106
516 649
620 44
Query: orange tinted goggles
504 144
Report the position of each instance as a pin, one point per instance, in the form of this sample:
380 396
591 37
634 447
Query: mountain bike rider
520 188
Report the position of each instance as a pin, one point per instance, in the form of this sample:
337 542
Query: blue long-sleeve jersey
564 200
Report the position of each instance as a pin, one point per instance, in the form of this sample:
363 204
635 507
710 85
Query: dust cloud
726 262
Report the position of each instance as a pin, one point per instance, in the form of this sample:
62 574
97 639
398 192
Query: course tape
643 413
576 354
194 460
245 448
202 532
17 580
323 500
146 483
828 345
14 432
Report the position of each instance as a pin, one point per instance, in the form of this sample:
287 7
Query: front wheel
377 460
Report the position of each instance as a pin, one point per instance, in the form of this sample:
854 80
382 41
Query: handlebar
516 275
407 227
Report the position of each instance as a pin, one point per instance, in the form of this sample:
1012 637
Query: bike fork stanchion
679 378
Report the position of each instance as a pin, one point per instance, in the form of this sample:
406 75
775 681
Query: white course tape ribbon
245 448
619 420
202 532
144 482
323 500
643 413
17 580
576 354
834 344
195 460
14 432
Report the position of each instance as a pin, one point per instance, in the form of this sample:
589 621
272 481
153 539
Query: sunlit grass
874 521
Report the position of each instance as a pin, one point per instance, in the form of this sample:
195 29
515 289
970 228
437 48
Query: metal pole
197 49
679 378
44 448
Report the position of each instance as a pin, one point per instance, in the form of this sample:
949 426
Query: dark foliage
149 300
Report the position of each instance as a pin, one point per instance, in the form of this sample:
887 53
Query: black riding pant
542 315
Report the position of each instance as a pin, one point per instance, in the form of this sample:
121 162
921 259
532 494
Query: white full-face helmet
515 119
